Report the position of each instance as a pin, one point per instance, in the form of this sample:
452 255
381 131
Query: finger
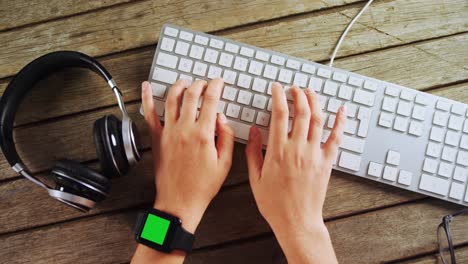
225 142
211 96
173 102
254 154
302 112
316 119
188 112
334 140
148 108
279 117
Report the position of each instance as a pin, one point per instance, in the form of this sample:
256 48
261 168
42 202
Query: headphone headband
24 81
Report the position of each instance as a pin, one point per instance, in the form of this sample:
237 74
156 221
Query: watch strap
183 240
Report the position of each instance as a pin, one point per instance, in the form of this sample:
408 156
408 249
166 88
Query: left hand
189 166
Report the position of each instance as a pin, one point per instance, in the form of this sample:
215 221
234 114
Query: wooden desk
420 44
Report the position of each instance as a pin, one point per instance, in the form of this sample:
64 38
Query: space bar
241 131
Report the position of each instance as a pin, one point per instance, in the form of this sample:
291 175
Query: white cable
343 35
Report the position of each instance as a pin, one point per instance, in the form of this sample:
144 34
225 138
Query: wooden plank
461 255
84 91
391 233
131 26
31 141
20 13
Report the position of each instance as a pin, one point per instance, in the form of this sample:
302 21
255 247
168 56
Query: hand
189 167
289 186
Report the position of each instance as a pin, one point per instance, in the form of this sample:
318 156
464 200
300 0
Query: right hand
290 185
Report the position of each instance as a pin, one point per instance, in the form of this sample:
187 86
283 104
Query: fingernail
222 118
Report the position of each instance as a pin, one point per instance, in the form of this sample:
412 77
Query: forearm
307 246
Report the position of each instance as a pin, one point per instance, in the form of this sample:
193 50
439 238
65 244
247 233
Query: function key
407 95
338 76
261 55
392 91
422 99
171 31
231 47
370 85
325 73
216 43
443 105
458 109
293 64
355 81
201 40
308 68
186 35
277 60
247 51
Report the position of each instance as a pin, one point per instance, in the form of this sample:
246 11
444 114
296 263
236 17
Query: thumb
254 154
225 142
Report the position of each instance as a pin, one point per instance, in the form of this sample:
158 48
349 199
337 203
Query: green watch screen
155 229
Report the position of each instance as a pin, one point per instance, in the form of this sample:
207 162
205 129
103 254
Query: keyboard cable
343 35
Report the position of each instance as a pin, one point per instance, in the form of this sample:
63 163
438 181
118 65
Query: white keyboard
395 135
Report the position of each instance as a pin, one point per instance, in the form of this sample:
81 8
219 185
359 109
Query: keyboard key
164 75
440 118
437 134
241 131
187 78
285 76
316 84
225 59
433 184
334 105
325 73
185 65
231 47
270 104
259 101
240 64
400 124
355 81
159 107
345 92
407 95
201 40
419 112
171 31
375 169
263 119
349 161
458 109
363 128
455 122
460 174
229 93
415 128
443 105
405 177
341 77
351 126
422 99
456 191
393 157
211 55
390 173
293 64
182 48
363 97
452 138
404 108
278 60
167 60
200 69
158 90
352 143
167 44
214 72
248 114
430 165
392 91
270 72
244 97
445 170
462 158
233 111
364 113
220 107
300 80
308 68
244 81
465 127
248 52
259 85
389 104
261 55
255 67
370 85
464 142
196 52
186 35
229 76
449 154
433 149
385 120
330 88
216 43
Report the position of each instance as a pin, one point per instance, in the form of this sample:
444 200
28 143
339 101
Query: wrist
189 216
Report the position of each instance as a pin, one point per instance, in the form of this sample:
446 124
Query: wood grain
132 26
76 141
20 13
461 255
83 91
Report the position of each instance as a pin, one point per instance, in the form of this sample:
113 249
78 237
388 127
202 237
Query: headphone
116 140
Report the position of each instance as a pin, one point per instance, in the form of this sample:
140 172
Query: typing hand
290 184
189 167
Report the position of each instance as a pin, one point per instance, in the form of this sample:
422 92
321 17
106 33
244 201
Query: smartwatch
162 231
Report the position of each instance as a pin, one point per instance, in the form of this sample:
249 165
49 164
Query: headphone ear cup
110 147
75 178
